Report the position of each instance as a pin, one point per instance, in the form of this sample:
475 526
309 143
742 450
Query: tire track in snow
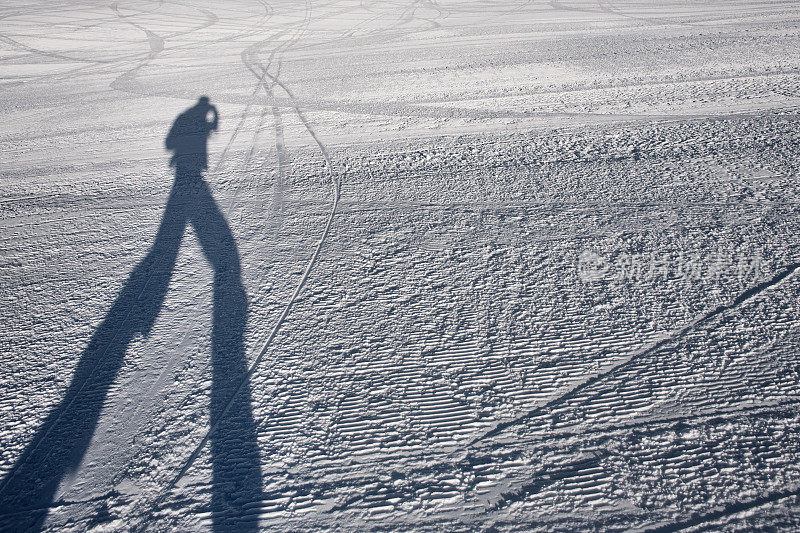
156 43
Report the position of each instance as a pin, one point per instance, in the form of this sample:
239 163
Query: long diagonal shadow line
23 459
50 455
50 425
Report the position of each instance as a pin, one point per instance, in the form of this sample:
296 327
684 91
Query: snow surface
495 266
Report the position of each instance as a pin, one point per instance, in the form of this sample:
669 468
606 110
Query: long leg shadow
56 450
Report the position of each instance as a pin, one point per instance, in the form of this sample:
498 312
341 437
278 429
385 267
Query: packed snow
452 265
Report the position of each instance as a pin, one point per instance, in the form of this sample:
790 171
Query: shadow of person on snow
57 448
